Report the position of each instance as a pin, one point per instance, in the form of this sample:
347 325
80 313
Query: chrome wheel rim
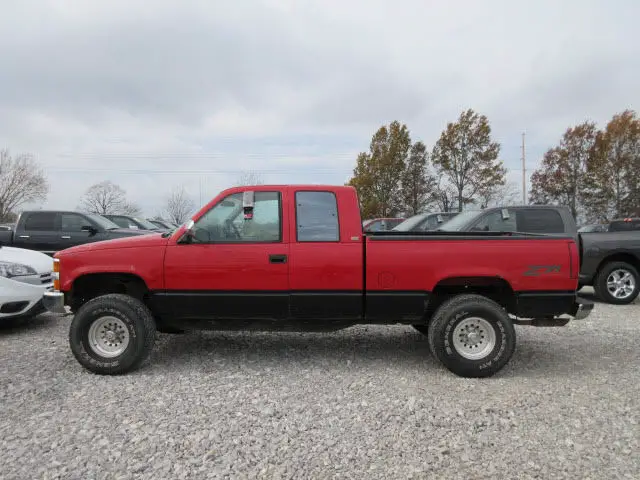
474 338
621 283
108 337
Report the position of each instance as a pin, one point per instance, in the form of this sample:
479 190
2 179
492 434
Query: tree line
108 198
595 172
400 177
22 181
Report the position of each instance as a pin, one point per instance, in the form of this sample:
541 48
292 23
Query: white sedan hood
40 262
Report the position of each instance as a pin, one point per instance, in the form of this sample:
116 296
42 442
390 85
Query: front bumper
54 302
582 308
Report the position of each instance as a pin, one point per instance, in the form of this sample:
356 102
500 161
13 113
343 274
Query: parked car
133 223
611 265
380 224
593 228
624 225
610 260
424 222
49 231
24 277
295 258
546 219
162 224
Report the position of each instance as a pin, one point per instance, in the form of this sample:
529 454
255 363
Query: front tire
112 334
472 336
617 283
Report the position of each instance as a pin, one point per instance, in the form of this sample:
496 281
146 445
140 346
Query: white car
24 277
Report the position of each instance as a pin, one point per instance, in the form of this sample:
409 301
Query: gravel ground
367 402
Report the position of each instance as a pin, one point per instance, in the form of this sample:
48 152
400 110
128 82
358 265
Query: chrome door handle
24 236
66 237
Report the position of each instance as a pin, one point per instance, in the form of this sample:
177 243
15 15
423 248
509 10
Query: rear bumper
54 302
582 308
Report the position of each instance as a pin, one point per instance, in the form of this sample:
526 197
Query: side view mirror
189 234
90 229
248 202
188 230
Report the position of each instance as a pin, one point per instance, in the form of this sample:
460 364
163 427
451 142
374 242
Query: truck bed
539 271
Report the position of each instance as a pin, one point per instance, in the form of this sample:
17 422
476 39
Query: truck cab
295 257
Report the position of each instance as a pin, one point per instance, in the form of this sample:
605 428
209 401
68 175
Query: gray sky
157 94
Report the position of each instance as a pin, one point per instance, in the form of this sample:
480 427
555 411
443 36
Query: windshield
102 221
410 223
592 228
145 223
460 221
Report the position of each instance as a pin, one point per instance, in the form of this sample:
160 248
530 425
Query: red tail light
574 260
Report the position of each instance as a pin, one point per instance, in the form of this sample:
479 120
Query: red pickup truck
295 258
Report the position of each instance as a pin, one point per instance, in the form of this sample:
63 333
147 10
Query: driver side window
225 222
71 222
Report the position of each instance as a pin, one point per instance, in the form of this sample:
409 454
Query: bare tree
250 178
107 198
179 206
21 181
499 195
444 195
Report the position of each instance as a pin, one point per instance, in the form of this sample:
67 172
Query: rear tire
628 283
112 334
472 336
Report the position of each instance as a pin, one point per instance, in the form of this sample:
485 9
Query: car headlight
10 269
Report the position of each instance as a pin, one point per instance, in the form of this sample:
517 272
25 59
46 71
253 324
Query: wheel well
495 288
89 286
618 257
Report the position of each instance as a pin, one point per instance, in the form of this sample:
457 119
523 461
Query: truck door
38 231
71 233
236 267
326 267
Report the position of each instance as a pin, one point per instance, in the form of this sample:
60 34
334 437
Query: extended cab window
540 220
41 221
317 217
225 222
72 222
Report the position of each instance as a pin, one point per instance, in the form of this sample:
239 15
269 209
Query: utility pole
524 174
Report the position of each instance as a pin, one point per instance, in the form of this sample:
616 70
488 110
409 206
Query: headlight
10 269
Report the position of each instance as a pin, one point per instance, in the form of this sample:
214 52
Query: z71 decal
537 270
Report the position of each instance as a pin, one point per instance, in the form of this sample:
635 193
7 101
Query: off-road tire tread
438 324
141 313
